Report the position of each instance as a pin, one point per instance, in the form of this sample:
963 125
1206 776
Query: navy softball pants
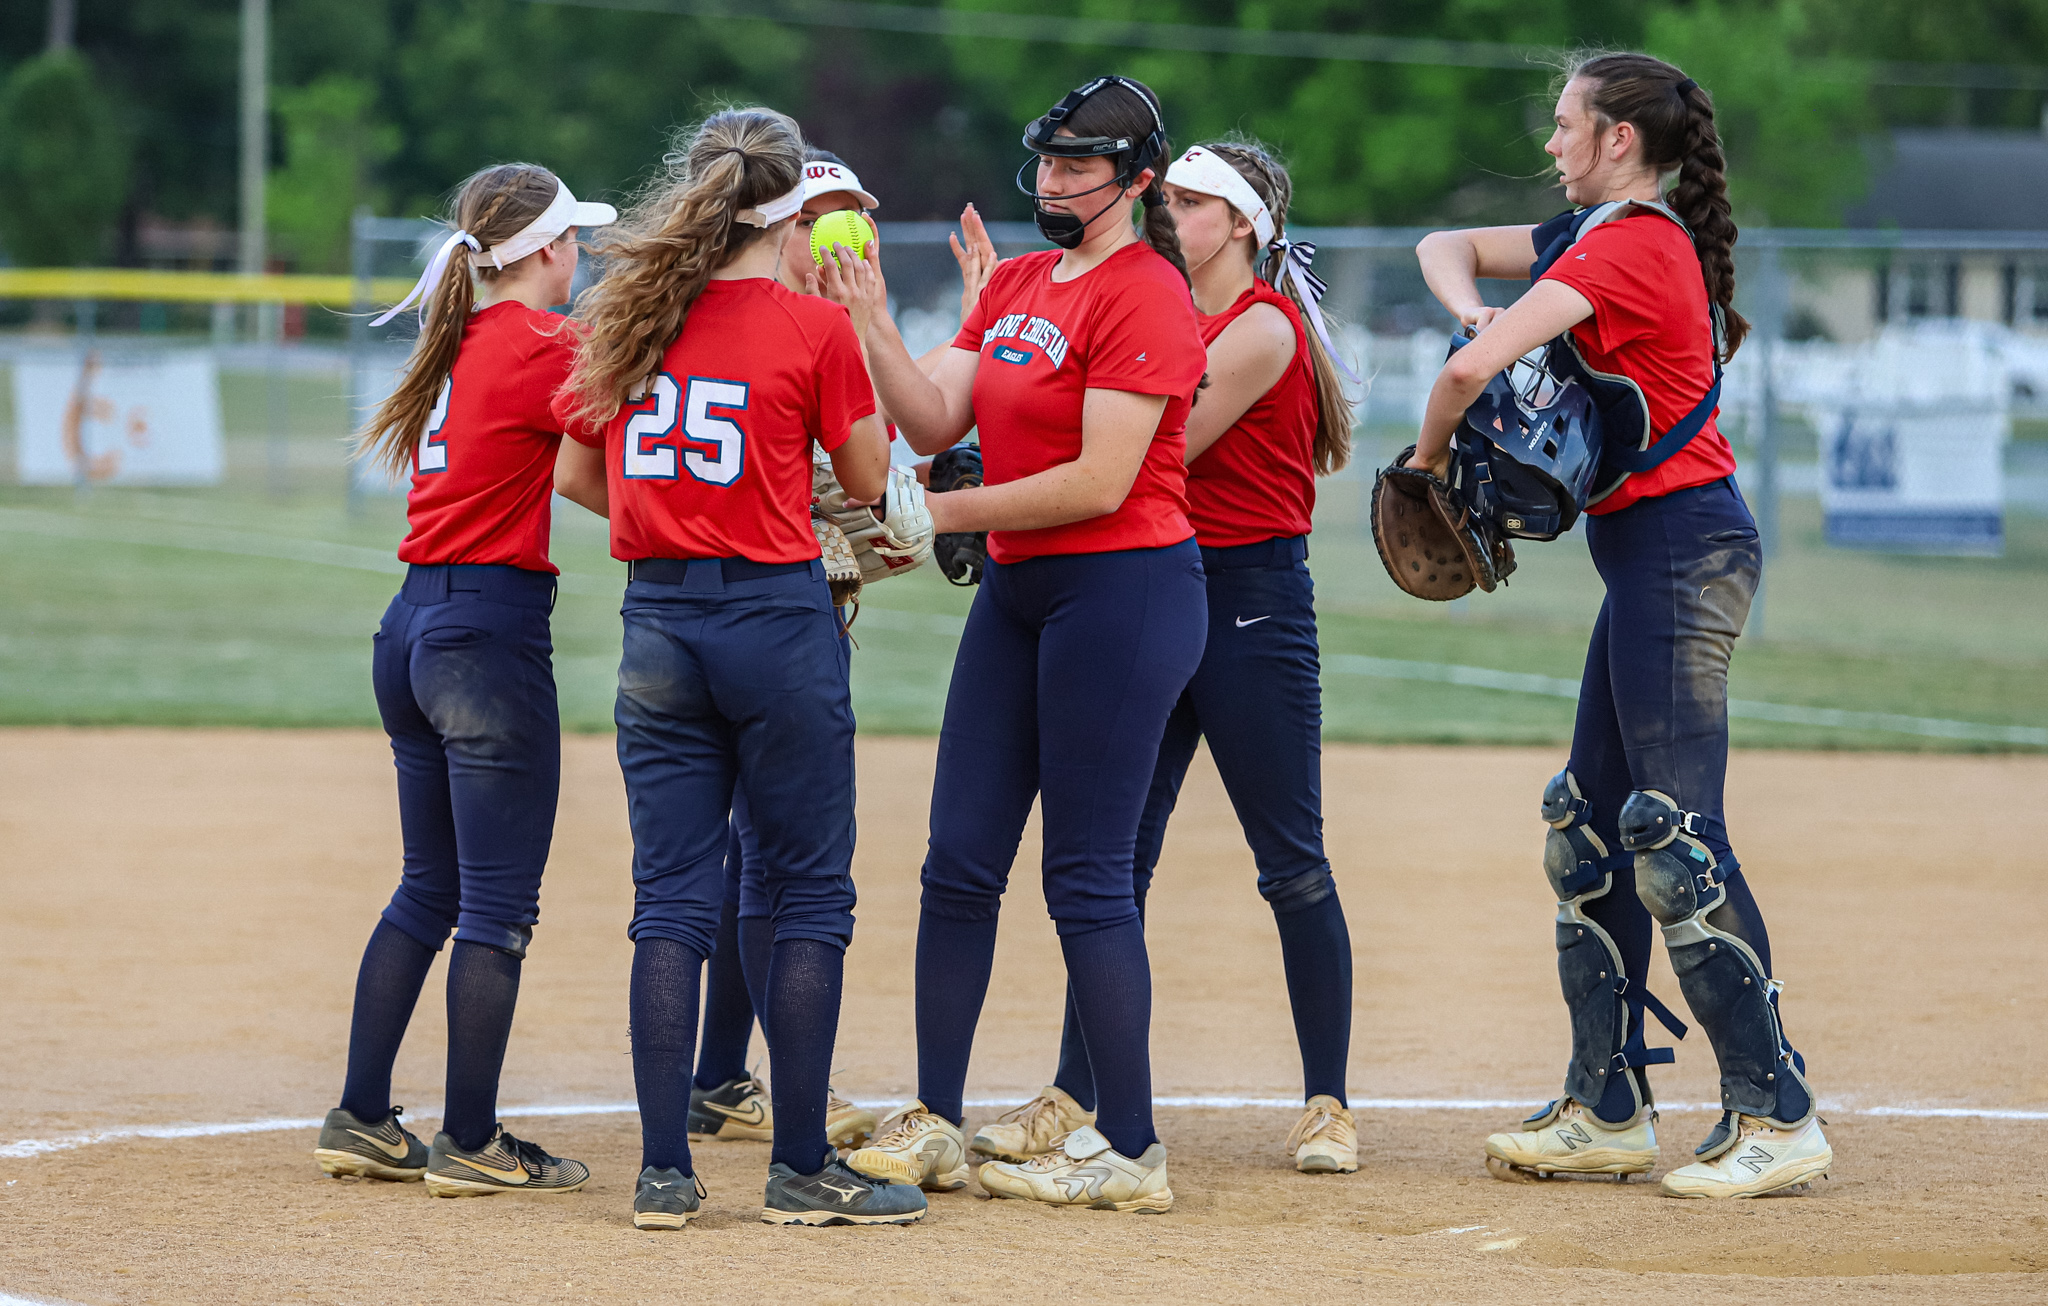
1065 675
727 685
465 684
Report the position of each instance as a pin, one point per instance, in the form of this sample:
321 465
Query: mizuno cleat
384 1149
738 1108
837 1195
503 1165
666 1199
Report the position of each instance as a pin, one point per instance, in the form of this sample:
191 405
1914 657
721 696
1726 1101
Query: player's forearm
920 409
579 477
1450 267
1070 492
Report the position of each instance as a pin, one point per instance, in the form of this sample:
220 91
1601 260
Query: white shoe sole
1594 1160
1319 1164
981 1146
1813 1167
1157 1204
663 1219
342 1165
826 1219
443 1186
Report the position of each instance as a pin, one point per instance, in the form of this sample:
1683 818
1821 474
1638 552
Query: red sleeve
1616 268
546 369
1145 339
844 394
558 409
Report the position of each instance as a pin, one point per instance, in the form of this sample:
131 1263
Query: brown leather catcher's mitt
1432 546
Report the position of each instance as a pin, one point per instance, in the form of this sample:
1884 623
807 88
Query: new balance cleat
1565 1138
915 1147
383 1149
1032 1129
1086 1171
666 1199
837 1195
738 1108
1763 1159
846 1125
1325 1139
503 1165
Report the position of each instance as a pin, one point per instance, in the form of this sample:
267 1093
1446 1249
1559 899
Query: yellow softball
844 227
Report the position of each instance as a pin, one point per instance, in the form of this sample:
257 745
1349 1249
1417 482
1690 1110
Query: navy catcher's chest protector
1546 439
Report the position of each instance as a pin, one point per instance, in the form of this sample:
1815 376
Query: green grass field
244 606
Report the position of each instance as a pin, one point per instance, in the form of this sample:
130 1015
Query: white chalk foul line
31 1147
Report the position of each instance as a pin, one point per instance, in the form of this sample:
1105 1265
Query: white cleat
1086 1171
1570 1140
1032 1129
846 1125
915 1146
1325 1139
1764 1159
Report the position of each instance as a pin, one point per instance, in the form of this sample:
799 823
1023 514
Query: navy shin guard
1607 1004
1724 981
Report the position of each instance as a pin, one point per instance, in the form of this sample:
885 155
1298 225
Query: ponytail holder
1686 87
423 290
1152 198
1295 258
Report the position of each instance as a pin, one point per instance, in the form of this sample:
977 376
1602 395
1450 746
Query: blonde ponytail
660 256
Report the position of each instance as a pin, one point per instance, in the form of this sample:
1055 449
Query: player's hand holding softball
856 281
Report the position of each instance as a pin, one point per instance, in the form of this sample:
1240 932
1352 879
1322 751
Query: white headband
1202 172
563 212
774 211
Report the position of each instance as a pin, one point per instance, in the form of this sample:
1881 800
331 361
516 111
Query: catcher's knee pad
1682 883
1606 1003
1299 892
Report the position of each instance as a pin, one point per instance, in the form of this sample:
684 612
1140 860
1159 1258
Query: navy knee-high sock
728 1008
664 1016
954 958
1074 1077
757 952
804 980
483 990
1740 917
1111 980
387 988
1315 952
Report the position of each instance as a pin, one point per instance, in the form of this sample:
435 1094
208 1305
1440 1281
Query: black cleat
666 1199
503 1165
837 1195
383 1149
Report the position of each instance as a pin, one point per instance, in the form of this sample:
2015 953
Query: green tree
63 163
333 142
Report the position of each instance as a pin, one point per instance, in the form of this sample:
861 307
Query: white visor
1204 173
822 178
774 211
563 212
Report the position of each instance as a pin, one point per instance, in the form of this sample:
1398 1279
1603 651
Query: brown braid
1675 118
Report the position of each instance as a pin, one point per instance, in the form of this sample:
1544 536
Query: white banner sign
83 419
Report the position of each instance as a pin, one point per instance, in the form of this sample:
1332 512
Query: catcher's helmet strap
1039 137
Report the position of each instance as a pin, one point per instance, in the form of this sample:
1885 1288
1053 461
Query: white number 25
650 446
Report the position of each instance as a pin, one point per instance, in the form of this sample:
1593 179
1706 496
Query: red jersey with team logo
1125 324
1650 325
485 467
716 461
1257 482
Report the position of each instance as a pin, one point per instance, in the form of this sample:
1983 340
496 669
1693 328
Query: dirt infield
181 913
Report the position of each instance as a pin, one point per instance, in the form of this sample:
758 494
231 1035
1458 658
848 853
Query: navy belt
676 571
427 584
1281 551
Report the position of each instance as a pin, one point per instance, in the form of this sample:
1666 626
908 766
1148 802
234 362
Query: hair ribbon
1296 259
423 290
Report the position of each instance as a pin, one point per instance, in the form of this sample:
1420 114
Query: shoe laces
530 1155
898 1130
1052 1160
1314 1122
1038 1111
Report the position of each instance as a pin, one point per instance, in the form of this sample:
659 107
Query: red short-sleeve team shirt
1126 324
485 466
1650 324
1257 482
716 461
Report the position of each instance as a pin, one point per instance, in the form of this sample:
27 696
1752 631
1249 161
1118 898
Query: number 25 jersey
715 462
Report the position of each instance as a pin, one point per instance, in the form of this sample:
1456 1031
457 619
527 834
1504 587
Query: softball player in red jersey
1642 294
698 392
464 681
1272 418
1078 367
